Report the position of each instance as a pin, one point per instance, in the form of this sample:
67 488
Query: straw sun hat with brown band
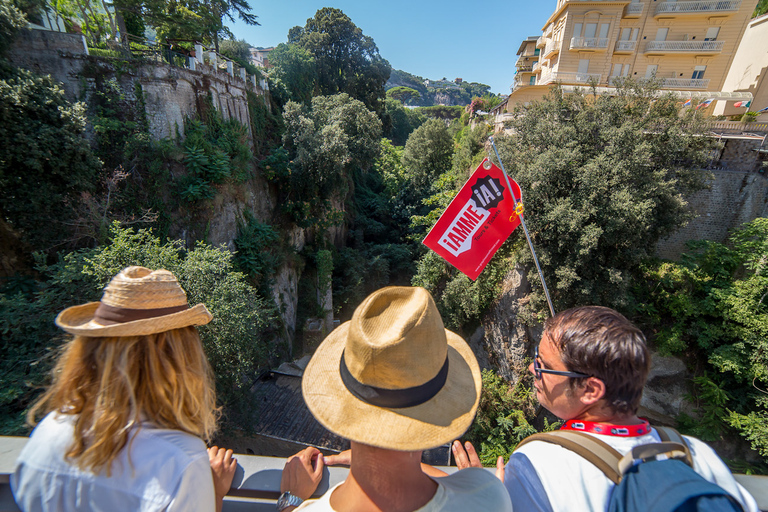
137 302
393 376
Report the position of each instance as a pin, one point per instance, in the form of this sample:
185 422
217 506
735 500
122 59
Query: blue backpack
656 477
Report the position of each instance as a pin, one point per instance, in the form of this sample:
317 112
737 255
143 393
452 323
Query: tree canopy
292 74
603 179
346 60
404 95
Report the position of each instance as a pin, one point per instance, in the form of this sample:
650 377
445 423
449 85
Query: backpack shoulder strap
668 434
599 453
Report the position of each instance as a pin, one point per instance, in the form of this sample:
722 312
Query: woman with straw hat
394 382
131 401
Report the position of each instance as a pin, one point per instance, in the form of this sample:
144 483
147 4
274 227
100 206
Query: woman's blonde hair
112 384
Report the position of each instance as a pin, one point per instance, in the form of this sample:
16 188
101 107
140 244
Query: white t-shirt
469 489
169 471
544 477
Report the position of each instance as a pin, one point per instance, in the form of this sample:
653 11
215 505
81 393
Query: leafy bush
241 338
11 20
256 252
45 161
504 417
711 307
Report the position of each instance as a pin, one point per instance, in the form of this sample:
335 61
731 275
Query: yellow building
688 44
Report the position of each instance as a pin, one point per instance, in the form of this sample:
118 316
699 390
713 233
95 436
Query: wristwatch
288 500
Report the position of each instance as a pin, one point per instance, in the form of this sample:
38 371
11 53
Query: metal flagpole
519 210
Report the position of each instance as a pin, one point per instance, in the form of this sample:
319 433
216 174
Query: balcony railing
536 67
625 46
684 46
553 46
524 68
595 43
692 7
570 78
633 9
541 42
685 83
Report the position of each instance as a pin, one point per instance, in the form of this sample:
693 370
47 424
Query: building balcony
553 47
589 43
541 42
684 46
633 10
625 46
570 78
685 83
525 67
697 7
536 67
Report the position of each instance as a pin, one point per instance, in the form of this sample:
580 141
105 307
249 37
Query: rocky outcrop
506 338
665 390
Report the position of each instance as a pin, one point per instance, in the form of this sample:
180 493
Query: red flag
478 220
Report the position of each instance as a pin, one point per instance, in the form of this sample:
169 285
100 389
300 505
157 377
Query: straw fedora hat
136 302
393 376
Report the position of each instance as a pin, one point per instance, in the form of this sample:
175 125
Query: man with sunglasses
590 369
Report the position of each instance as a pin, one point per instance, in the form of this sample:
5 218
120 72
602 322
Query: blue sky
476 41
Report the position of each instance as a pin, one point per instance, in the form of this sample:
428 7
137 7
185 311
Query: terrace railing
699 6
585 43
685 46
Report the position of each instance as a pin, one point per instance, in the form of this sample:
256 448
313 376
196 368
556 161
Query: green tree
345 59
760 9
428 153
291 74
325 143
45 161
399 122
603 179
236 50
11 20
404 95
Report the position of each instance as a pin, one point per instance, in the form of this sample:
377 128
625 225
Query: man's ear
592 390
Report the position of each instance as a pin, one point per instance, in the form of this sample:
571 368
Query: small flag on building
742 103
704 104
479 219
687 103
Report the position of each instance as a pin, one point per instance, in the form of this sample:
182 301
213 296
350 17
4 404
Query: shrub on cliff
45 161
711 306
239 340
11 20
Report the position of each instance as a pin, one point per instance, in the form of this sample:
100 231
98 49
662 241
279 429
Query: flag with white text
478 220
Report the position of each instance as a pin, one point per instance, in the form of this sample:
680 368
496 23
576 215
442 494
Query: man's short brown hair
601 342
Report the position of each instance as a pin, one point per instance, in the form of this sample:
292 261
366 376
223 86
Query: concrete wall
734 197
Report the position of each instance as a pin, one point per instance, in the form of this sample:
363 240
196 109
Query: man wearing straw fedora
394 382
131 401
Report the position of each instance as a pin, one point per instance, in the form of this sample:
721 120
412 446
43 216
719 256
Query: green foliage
711 307
266 126
291 74
405 95
326 142
760 9
239 51
45 162
257 254
604 178
428 153
346 61
215 151
399 122
503 417
11 20
441 111
240 339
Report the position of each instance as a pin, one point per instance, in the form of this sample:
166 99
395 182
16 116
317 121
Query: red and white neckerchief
608 429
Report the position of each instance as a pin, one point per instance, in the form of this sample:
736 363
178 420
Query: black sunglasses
538 370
